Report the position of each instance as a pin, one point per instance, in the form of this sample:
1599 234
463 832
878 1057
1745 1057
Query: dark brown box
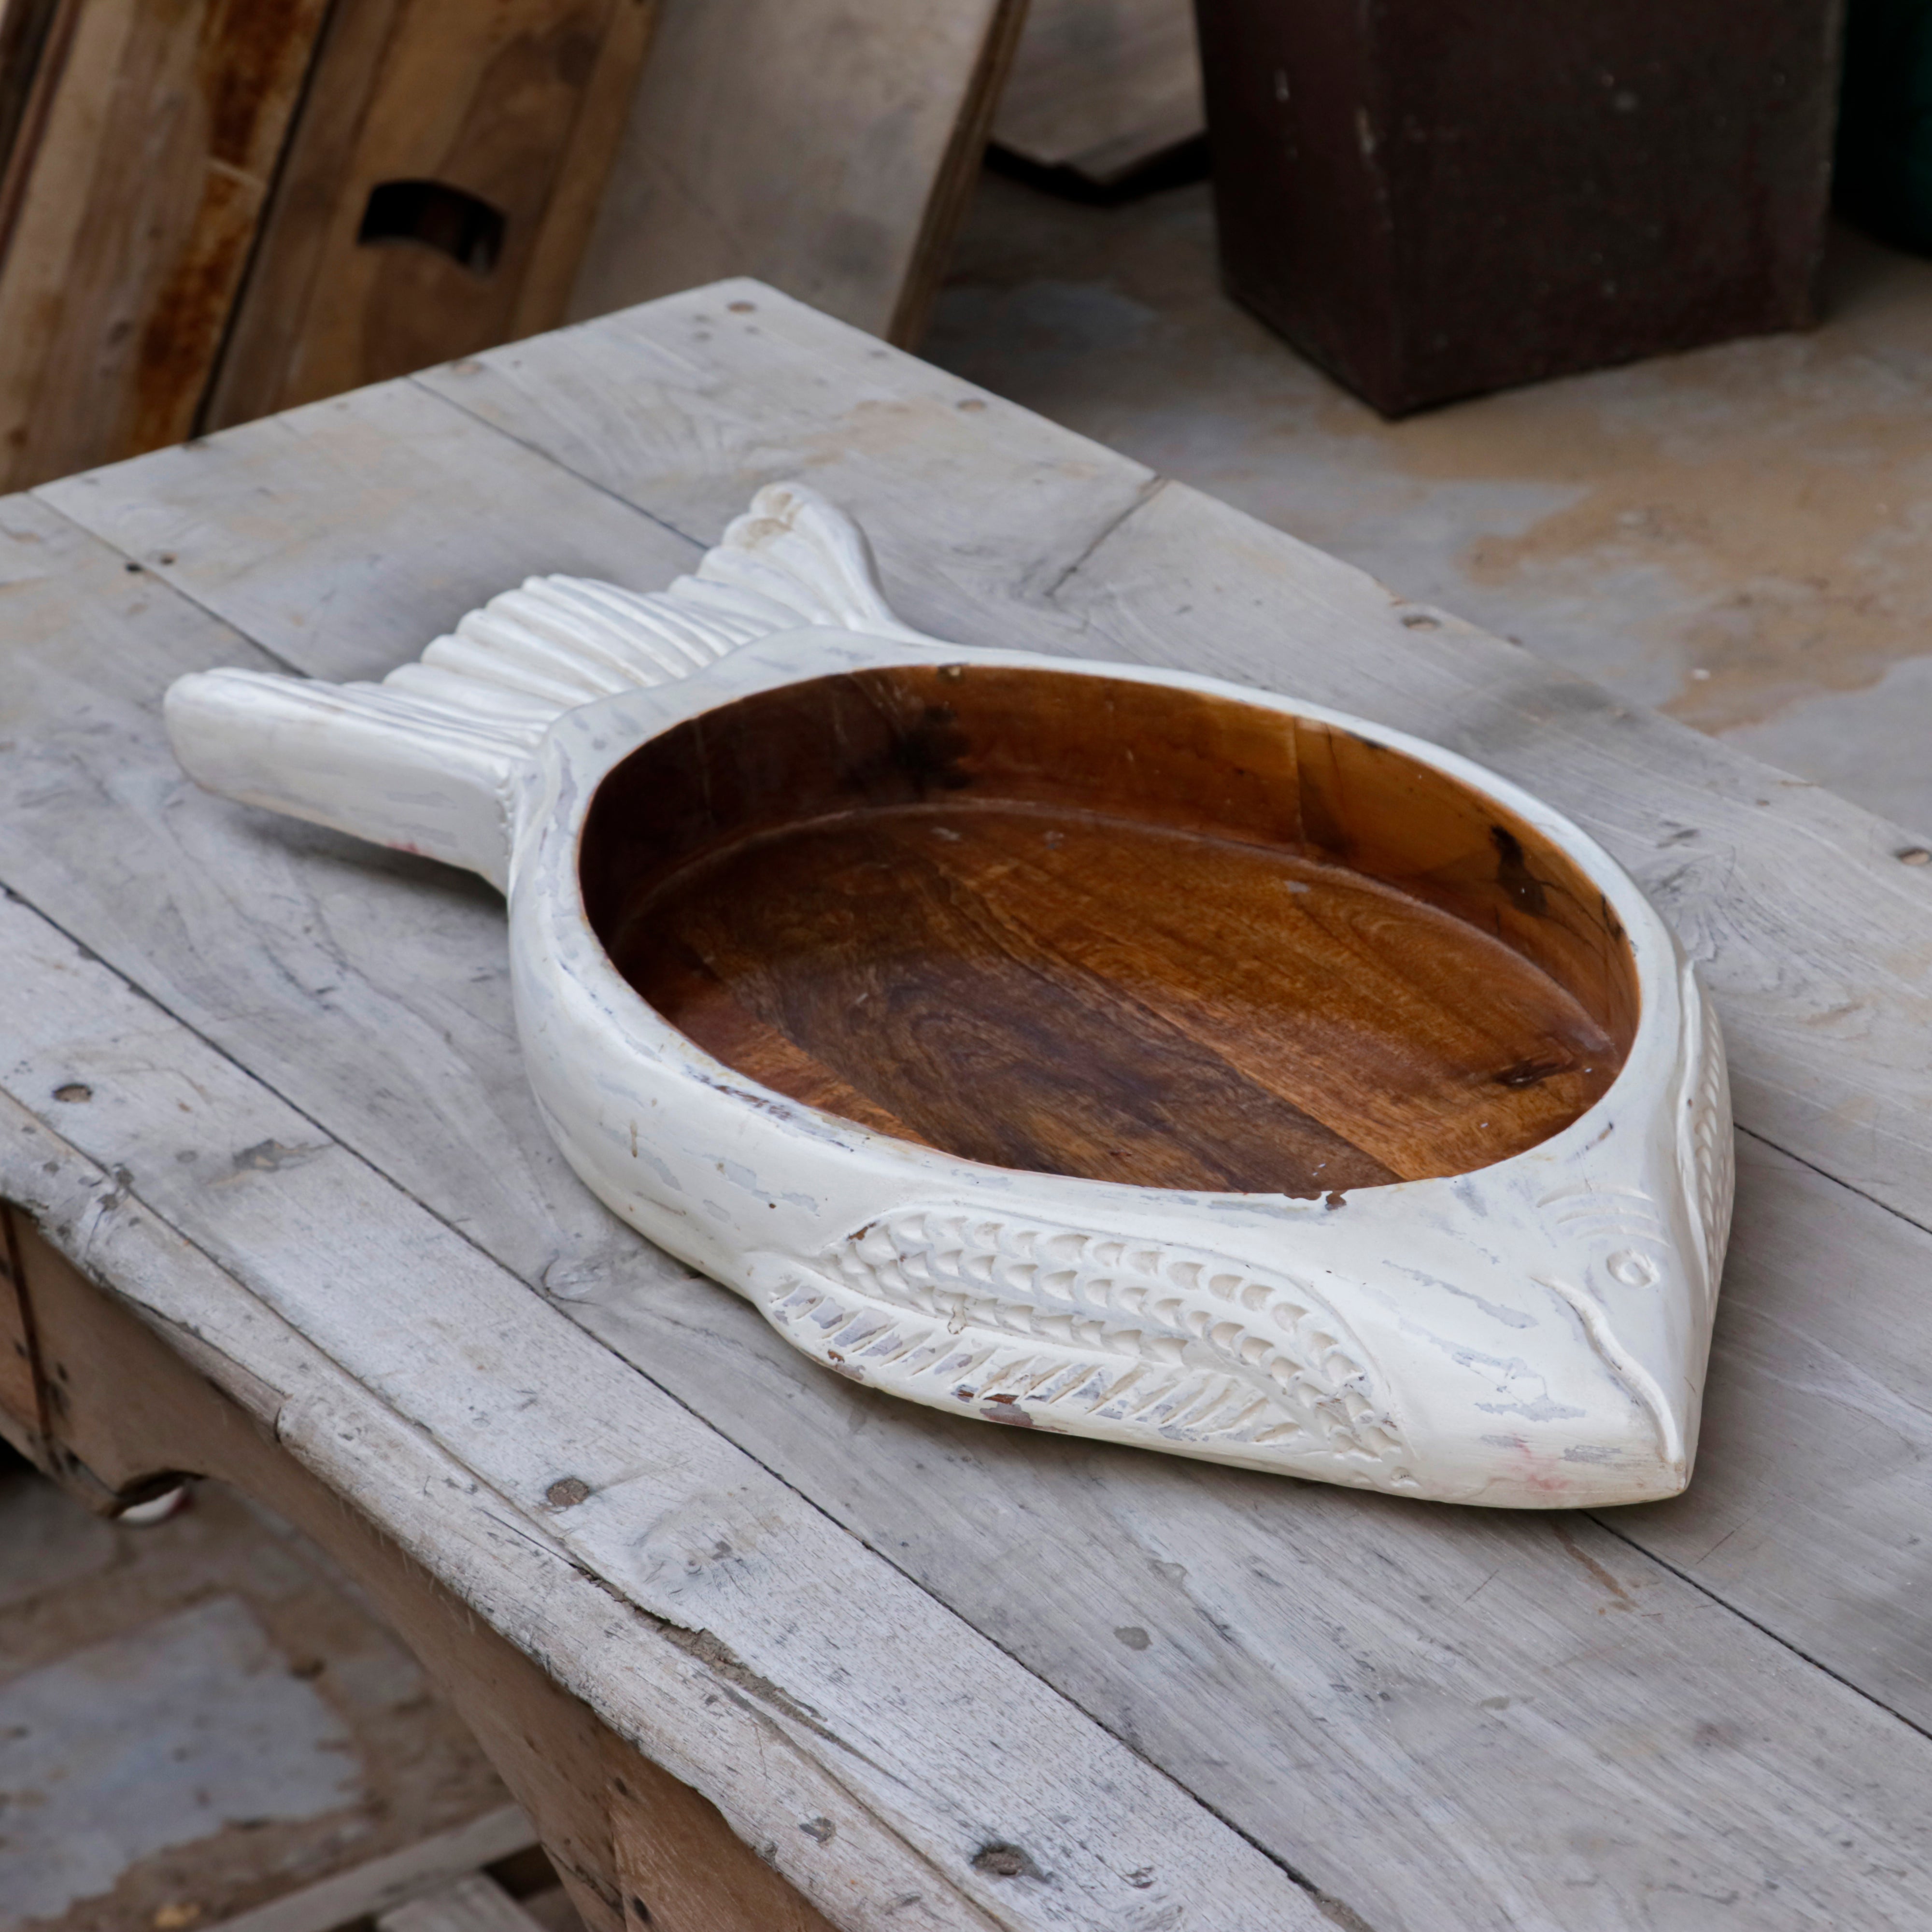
1434 198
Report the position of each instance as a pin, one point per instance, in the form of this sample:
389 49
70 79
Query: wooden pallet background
213 209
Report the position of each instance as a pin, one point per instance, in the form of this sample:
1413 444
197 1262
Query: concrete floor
198 1716
1737 536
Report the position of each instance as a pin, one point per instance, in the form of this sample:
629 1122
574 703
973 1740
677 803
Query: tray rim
1624 1380
576 759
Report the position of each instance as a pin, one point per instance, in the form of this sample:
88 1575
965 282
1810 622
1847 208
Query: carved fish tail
427 760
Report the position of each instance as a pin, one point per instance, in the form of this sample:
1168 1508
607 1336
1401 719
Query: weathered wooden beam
142 153
437 191
828 146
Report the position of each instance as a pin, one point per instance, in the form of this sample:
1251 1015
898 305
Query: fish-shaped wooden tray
1081 1046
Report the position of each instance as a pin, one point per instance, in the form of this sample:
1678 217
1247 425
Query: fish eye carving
1630 1268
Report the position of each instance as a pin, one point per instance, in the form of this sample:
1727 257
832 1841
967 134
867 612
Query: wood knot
1002 1861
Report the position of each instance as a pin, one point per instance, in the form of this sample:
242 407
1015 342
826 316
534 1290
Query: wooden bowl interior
1085 926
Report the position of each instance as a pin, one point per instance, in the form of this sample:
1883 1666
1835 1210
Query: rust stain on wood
141 171
250 59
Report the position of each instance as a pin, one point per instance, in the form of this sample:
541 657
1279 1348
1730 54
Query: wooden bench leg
102 1404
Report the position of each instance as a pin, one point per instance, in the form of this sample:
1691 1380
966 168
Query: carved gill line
1589 1192
1640 1383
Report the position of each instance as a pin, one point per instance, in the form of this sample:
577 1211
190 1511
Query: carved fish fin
1016 1320
426 760
792 552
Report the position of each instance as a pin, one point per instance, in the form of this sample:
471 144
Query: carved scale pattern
1071 1329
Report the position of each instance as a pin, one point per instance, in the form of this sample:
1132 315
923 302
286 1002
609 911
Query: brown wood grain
143 157
34 39
1371 808
22 1420
719 1021
1086 925
1427 1043
884 963
518 103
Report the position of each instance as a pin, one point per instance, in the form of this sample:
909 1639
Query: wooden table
696 1596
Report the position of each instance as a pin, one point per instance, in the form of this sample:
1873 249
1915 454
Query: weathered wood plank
517 106
383 1882
686 407
471 1904
306 581
686 421
140 1400
759 1653
1102 87
827 145
1098 1546
132 204
1813 1488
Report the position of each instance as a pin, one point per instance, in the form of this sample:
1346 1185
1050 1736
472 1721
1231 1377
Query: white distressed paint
1530 1334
